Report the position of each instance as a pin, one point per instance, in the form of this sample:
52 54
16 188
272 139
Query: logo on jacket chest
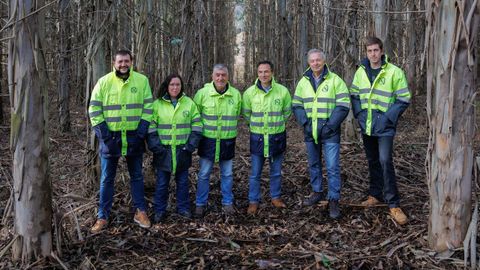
186 114
381 81
325 89
230 101
277 101
133 90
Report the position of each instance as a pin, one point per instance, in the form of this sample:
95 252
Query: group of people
124 116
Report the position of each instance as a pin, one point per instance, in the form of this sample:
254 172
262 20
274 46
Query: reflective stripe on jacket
219 113
378 105
267 114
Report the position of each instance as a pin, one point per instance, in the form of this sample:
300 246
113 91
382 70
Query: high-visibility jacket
325 107
123 111
267 114
178 128
378 105
219 114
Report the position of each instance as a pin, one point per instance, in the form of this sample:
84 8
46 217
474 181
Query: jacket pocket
227 149
135 144
308 131
206 148
111 146
327 132
277 144
256 144
381 124
184 159
362 119
163 159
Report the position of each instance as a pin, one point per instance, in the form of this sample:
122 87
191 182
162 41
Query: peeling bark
29 132
451 31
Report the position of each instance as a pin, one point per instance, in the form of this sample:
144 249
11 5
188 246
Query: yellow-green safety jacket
378 105
220 113
321 111
174 129
267 114
120 112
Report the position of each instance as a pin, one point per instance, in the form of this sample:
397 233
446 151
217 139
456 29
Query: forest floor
294 238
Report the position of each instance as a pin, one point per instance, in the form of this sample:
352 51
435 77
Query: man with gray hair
320 104
219 104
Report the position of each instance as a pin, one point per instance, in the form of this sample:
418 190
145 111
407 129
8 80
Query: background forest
72 43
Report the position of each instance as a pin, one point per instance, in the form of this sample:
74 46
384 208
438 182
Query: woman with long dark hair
173 135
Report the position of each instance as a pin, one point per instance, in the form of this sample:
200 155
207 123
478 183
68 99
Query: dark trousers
383 184
161 191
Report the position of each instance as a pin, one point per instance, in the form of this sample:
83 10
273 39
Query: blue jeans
331 153
161 191
383 184
254 193
109 171
226 181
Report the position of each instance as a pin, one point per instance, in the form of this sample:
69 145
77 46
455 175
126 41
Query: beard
122 75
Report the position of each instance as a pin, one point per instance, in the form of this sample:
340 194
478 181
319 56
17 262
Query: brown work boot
252 208
99 225
370 201
278 203
398 215
141 219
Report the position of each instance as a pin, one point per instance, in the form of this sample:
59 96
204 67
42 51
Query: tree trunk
303 40
142 38
410 38
79 57
1 81
3 76
349 63
96 67
381 22
253 41
325 23
29 132
203 52
451 31
64 71
284 59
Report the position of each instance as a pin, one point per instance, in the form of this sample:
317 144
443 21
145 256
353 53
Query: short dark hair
164 86
372 41
265 62
123 52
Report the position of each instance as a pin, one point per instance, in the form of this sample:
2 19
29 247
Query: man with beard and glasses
120 111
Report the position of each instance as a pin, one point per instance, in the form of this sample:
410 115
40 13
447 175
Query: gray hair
220 67
312 51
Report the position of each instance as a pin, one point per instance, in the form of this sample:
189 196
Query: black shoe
334 209
160 217
228 210
185 214
199 211
313 199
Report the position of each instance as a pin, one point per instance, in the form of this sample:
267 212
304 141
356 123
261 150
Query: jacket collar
214 92
309 75
167 97
258 84
365 63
